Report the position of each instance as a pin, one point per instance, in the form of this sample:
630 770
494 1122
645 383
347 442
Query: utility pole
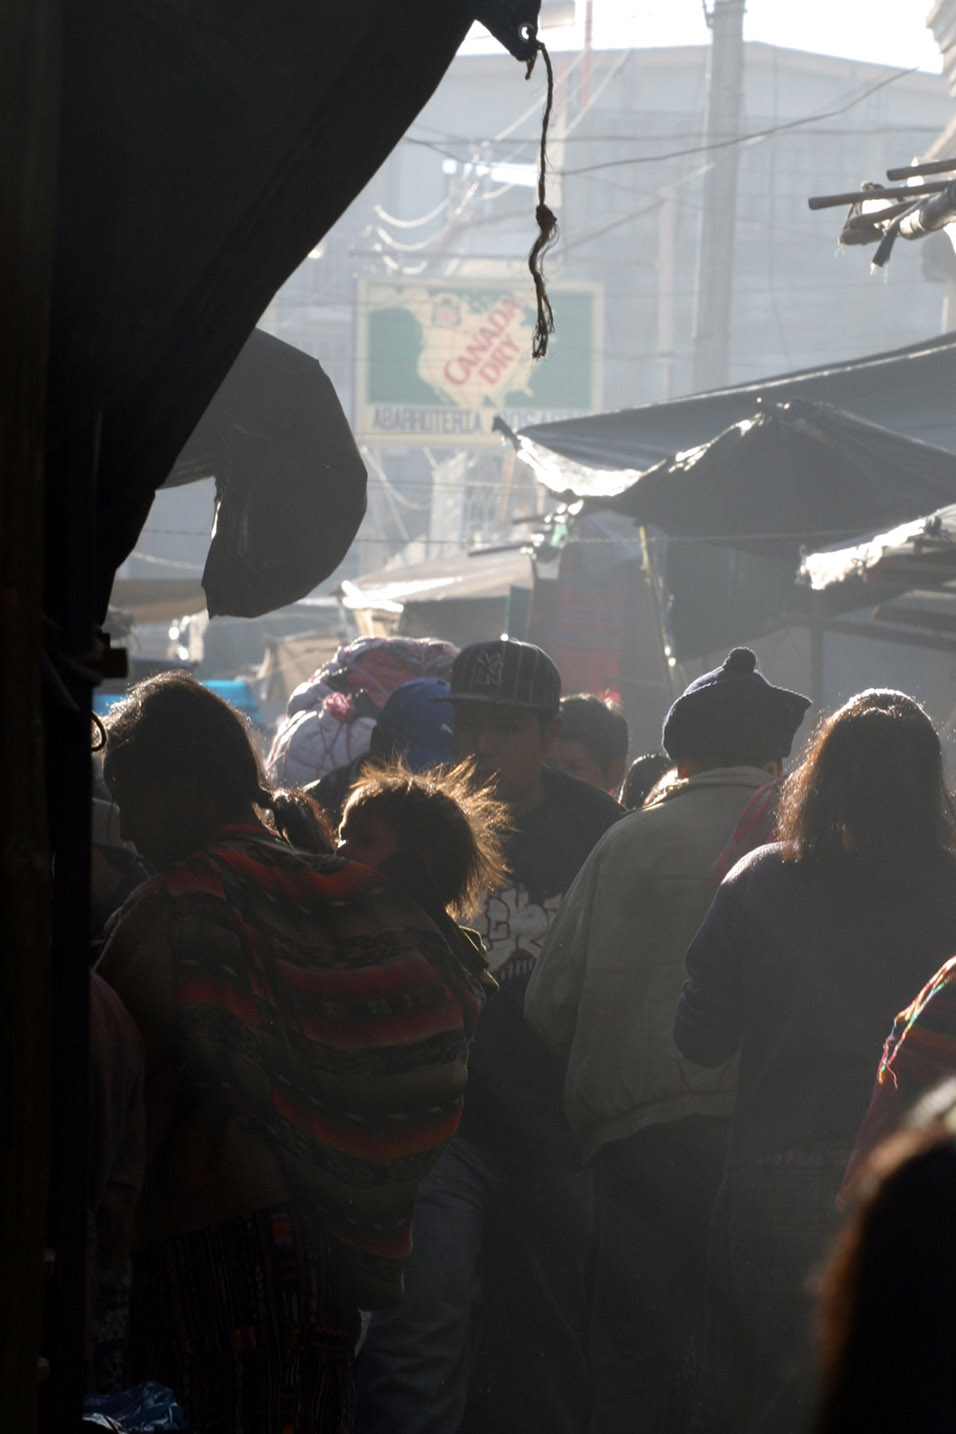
715 260
666 284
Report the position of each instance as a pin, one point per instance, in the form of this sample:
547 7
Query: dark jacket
803 970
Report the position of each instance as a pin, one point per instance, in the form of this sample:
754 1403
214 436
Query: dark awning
906 575
908 390
916 554
738 511
791 475
204 151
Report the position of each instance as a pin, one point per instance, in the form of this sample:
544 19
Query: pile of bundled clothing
330 718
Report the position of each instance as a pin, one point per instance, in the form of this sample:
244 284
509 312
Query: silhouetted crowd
434 1090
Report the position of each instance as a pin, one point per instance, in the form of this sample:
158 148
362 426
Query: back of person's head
870 787
643 775
733 717
415 726
598 725
174 733
888 1311
455 826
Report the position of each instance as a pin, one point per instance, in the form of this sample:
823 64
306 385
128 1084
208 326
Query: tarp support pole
816 656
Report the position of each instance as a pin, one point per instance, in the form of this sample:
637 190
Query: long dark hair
170 727
869 789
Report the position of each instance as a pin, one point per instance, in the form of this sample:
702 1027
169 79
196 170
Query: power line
387 218
745 138
619 138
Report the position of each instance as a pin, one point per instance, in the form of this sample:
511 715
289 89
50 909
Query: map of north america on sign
440 359
474 350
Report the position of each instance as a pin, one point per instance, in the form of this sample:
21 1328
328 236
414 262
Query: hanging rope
545 218
98 733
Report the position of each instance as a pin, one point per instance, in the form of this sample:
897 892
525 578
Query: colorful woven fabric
323 1011
242 1322
920 1051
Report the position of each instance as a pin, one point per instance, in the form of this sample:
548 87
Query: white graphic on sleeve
513 924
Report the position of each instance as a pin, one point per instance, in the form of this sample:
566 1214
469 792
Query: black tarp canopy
739 510
204 151
908 390
791 475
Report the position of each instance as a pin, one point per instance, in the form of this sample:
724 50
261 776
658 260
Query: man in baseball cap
603 996
506 695
416 721
508 1187
507 673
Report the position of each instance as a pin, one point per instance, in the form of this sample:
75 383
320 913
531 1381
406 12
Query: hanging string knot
544 217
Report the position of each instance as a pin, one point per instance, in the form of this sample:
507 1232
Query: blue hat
417 717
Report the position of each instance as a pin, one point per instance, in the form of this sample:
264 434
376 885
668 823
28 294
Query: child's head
455 828
593 740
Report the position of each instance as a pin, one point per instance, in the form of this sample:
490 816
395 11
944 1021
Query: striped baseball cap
506 672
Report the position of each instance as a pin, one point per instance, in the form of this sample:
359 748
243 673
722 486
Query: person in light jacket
603 995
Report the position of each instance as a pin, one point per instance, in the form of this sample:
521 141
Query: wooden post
715 267
816 655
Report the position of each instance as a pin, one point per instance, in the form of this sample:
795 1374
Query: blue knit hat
733 709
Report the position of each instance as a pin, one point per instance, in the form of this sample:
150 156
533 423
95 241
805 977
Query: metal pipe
933 214
860 196
931 166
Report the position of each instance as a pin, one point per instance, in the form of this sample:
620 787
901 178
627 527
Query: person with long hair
810 947
306 1028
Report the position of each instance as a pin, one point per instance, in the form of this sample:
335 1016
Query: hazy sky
891 33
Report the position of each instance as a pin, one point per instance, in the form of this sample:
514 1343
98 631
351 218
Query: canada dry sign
437 359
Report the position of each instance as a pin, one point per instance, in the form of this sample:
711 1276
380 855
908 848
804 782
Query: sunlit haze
894 34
